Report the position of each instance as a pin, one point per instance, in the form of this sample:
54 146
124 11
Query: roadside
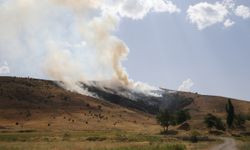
228 144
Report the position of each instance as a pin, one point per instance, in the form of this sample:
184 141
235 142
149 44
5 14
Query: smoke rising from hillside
70 40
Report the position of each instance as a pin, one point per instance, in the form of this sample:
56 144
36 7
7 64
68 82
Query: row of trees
166 118
232 119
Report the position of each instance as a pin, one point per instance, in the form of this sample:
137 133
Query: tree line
167 118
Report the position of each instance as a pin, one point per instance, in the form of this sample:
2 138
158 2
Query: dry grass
243 143
94 140
42 105
38 114
90 146
80 140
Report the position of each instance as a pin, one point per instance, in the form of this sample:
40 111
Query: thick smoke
70 40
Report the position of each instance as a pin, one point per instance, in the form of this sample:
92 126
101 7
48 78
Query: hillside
41 104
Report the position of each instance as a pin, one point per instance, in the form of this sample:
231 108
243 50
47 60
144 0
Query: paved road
229 144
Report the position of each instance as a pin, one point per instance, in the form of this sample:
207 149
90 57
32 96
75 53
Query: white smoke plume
186 85
70 40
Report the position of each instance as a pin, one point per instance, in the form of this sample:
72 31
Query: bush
94 138
66 136
239 120
213 121
194 136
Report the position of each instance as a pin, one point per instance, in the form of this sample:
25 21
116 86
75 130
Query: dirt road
228 144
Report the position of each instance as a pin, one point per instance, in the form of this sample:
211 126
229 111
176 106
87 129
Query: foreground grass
18 136
93 140
245 146
91 146
85 140
243 143
153 147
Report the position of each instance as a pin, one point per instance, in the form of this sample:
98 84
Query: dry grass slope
43 105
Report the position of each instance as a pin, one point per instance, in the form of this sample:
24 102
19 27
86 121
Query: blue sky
195 45
165 50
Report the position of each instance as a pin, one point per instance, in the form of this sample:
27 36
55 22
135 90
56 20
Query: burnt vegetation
145 103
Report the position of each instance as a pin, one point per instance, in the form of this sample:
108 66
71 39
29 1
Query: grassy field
89 140
91 146
93 140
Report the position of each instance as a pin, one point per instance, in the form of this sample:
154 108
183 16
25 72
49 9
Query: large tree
165 119
230 113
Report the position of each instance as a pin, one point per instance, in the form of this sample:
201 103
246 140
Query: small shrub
194 136
194 139
28 113
96 138
66 136
240 120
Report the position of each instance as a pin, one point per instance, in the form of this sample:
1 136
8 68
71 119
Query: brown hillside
204 104
43 105
40 104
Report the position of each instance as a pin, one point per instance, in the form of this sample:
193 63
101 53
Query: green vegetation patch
153 147
137 138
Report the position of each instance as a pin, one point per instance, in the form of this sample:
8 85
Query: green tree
212 121
219 124
165 119
230 113
182 116
240 120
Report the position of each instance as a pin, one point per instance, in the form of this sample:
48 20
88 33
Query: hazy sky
193 45
166 49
